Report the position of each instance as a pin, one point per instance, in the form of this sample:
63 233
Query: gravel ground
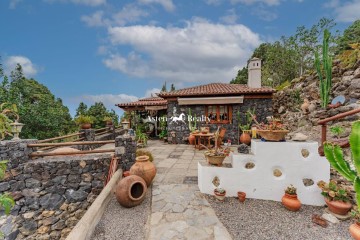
261 220
123 223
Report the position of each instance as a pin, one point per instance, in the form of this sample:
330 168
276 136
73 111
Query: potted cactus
335 156
220 194
290 200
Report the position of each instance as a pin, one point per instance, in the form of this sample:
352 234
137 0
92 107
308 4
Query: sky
119 51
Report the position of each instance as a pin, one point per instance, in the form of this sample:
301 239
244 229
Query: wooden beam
69 143
61 137
35 154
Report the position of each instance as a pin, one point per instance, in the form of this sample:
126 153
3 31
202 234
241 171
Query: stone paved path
178 209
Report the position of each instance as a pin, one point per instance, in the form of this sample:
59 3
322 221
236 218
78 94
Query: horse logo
180 118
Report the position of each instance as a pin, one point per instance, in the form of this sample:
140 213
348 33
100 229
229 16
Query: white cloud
200 51
230 18
109 100
152 92
128 14
264 14
167 4
13 3
213 2
347 12
29 69
250 2
92 3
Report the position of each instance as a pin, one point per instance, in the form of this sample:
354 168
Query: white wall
259 182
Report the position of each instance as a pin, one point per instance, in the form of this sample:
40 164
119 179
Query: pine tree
172 88
163 89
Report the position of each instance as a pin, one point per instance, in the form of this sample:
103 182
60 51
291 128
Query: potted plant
217 155
141 137
220 194
354 228
290 199
335 156
337 131
141 152
84 121
163 134
246 128
274 131
241 196
192 128
336 197
108 120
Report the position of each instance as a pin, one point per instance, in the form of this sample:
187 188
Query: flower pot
273 135
241 196
108 123
338 207
126 174
245 138
144 169
85 126
291 202
130 191
220 196
215 160
354 230
191 139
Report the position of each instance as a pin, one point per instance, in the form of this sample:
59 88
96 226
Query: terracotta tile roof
151 101
216 89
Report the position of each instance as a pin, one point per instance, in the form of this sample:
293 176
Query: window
219 113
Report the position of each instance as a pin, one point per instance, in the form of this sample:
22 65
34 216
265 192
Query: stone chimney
254 73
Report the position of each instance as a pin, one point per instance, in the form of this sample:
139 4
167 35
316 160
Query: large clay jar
85 126
130 191
144 169
245 138
291 202
354 230
191 139
338 207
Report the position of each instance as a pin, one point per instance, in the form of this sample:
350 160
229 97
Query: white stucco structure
260 182
254 73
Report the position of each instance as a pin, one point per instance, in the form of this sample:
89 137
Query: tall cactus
334 155
325 83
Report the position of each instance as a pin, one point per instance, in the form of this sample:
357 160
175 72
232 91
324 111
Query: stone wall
263 108
53 193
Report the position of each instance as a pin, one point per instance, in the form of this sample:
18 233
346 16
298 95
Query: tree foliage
98 113
164 89
172 88
351 36
44 115
81 110
241 77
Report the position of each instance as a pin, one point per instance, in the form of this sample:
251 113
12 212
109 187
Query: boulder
300 137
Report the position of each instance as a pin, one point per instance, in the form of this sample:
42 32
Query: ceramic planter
291 202
338 207
215 160
85 126
130 191
220 196
245 138
191 139
241 196
144 169
354 230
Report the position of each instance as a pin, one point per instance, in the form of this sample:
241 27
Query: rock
82 164
330 218
281 109
28 215
299 137
51 201
243 148
74 178
65 232
79 213
50 221
32 183
46 214
59 225
43 229
71 221
28 227
29 193
32 203
55 235
59 180
312 107
16 195
73 207
75 196
357 73
64 207
4 186
87 177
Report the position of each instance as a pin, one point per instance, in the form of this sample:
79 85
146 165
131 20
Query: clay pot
144 169
220 196
241 196
108 123
291 202
130 191
85 126
245 138
354 230
338 207
191 139
126 173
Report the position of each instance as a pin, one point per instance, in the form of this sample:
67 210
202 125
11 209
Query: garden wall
263 108
53 193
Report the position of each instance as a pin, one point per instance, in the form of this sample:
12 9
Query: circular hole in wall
308 182
249 165
277 172
305 153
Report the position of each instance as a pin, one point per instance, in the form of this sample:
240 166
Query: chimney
254 73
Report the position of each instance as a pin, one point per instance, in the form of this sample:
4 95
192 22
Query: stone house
215 104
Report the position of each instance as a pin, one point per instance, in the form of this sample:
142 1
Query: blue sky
117 51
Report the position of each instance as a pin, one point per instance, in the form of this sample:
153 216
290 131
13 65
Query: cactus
335 156
325 83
